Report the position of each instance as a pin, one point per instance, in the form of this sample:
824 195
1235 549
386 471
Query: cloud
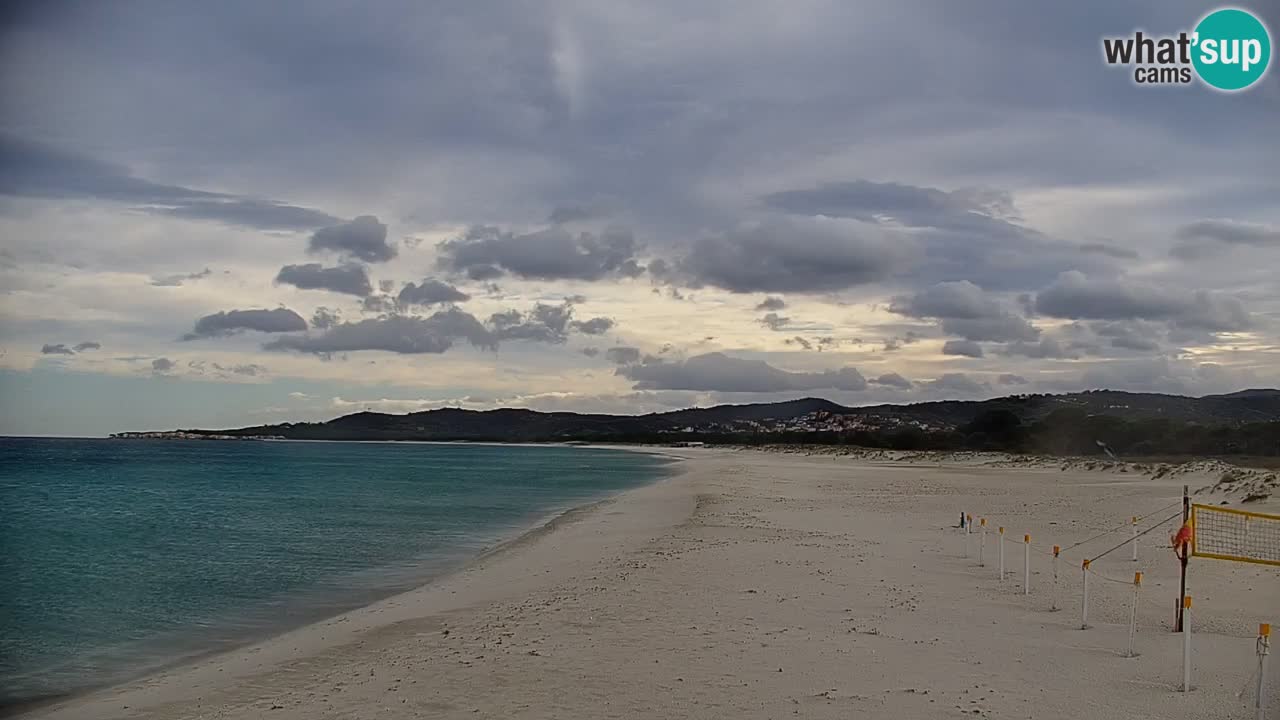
774 321
623 355
179 279
161 366
87 345
34 169
248 212
431 292
798 340
964 309
1109 250
1203 237
363 238
1011 379
772 303
958 384
1047 348
58 349
245 369
324 318
484 253
963 234
1138 335
594 326
544 323
349 279
718 372
967 348
590 351
279 320
397 334
1076 296
892 380
806 255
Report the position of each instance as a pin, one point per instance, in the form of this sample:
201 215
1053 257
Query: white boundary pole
1134 523
1026 564
1186 643
1084 605
1133 613
968 529
982 542
1264 649
1053 599
1001 541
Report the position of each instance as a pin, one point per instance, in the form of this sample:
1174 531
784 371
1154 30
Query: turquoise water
120 555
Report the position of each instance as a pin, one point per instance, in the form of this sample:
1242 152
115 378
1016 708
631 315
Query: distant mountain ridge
523 425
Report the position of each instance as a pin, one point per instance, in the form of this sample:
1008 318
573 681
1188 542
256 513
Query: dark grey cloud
278 320
1077 296
431 292
58 349
378 304
1138 335
593 326
1203 237
718 372
349 278
590 351
1047 347
397 334
179 279
1011 379
544 323
161 366
806 255
87 345
774 321
772 303
248 212
324 318
892 380
623 355
1109 250
962 300
571 213
363 238
34 169
801 341
965 234
958 384
967 348
244 369
962 308
484 253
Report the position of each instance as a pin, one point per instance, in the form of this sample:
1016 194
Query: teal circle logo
1231 49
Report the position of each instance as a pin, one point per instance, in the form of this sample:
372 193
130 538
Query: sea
118 557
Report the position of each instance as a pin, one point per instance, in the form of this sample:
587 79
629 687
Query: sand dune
769 585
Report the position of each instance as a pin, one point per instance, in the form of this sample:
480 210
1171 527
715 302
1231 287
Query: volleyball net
1239 535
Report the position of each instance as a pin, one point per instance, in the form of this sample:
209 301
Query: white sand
759 585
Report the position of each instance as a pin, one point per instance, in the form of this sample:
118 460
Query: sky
239 213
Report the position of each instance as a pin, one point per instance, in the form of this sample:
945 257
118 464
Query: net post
1084 605
1186 643
1263 649
1133 613
1134 524
1026 564
1186 554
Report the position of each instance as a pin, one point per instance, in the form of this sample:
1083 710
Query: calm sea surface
117 556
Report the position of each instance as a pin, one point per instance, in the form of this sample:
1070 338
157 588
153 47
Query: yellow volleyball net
1230 534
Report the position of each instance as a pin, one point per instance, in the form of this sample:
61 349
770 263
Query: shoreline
540 524
760 585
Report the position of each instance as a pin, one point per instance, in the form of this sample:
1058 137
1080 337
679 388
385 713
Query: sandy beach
767 585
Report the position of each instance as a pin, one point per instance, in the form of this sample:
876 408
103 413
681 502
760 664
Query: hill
1075 423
